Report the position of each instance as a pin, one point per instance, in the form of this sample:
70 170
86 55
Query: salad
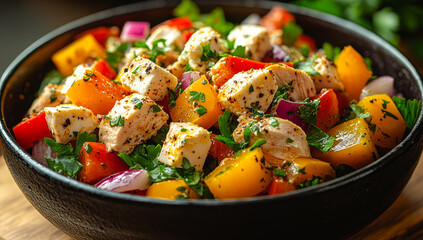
198 107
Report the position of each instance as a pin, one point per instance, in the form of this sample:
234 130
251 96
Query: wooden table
19 220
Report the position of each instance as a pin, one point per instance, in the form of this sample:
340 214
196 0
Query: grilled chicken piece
285 140
328 77
133 120
302 86
147 78
51 96
255 39
252 89
185 140
67 121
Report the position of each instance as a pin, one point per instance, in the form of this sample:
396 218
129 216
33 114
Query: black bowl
334 209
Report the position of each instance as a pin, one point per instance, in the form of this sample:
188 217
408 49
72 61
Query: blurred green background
400 22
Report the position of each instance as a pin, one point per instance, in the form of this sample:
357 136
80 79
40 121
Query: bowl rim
151 5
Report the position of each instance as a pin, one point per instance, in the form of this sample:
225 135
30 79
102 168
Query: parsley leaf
331 52
187 8
138 102
160 137
216 20
208 54
312 182
117 121
319 139
282 93
273 122
53 77
201 110
227 124
259 142
409 109
279 172
197 96
307 66
308 111
239 52
291 32
159 47
359 111
82 138
156 108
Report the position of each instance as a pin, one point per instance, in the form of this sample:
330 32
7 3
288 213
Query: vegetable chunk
353 145
132 120
385 122
197 104
240 177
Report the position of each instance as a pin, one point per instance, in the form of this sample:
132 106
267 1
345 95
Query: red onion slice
289 110
278 54
41 150
135 31
189 77
128 180
380 85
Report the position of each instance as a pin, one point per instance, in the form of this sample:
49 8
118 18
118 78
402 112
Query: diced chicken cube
193 50
185 140
285 140
149 79
66 121
51 96
172 35
302 86
252 89
255 39
328 77
133 120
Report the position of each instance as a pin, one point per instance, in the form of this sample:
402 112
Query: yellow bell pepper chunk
197 104
76 53
171 189
352 71
240 177
303 169
385 122
353 145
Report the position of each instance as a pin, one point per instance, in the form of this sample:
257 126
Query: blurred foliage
394 20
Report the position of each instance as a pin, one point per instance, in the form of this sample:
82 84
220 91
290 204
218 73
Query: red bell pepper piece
228 66
31 130
219 150
279 185
97 163
328 113
181 23
101 34
343 101
104 68
186 35
276 18
304 39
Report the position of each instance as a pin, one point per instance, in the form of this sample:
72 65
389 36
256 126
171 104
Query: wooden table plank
19 220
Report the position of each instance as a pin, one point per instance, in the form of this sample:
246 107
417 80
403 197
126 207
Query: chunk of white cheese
66 121
252 89
172 36
255 39
148 79
185 140
133 120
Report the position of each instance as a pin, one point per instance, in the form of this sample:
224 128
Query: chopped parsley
138 102
282 93
331 52
291 32
319 139
183 129
260 142
308 183
239 52
251 89
66 161
158 48
184 141
273 122
307 66
201 110
88 148
156 108
308 111
118 121
135 70
279 172
197 96
359 111
208 54
409 109
389 114
53 77
160 137
289 140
